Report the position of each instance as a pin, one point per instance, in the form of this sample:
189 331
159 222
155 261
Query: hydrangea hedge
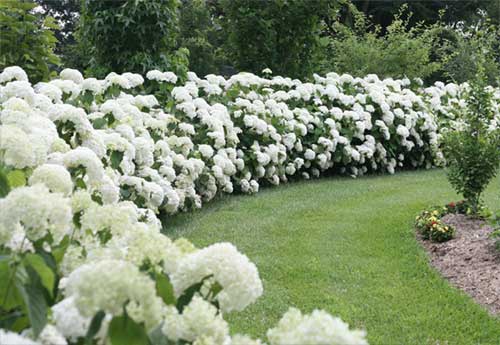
87 165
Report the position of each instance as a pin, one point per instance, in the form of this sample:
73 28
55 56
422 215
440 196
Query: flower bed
88 164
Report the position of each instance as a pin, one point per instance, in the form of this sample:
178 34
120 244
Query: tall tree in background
67 15
382 12
27 39
134 36
201 33
279 34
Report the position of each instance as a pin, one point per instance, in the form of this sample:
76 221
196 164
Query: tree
202 35
280 34
67 15
27 39
134 36
382 12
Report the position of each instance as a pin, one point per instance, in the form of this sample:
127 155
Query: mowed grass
346 246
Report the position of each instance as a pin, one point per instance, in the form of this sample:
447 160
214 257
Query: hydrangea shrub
87 165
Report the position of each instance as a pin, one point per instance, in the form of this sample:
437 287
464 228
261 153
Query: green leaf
80 183
16 178
95 326
99 123
123 330
20 324
49 259
4 183
9 296
116 158
58 253
188 294
7 320
46 274
164 289
215 289
30 286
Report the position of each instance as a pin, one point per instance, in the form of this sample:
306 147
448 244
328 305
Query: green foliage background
438 40
134 36
27 39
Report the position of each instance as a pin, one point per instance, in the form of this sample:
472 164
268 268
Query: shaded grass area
346 246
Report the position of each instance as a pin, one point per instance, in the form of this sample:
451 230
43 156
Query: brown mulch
469 261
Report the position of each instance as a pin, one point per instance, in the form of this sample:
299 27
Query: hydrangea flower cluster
86 165
447 101
169 146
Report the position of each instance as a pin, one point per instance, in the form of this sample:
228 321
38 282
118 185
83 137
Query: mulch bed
469 261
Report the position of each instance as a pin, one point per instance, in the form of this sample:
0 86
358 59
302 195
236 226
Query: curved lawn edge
346 246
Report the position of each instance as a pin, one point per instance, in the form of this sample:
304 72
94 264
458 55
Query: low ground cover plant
431 227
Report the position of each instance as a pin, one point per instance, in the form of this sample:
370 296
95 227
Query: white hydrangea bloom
11 338
120 283
71 74
238 276
93 85
144 244
206 150
38 211
68 87
116 79
51 91
20 149
71 324
82 156
50 335
11 73
19 89
319 327
55 177
169 77
239 339
199 320
403 131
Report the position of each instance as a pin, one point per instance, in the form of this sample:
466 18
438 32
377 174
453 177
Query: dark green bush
281 34
202 35
134 36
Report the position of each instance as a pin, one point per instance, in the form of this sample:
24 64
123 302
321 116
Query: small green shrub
430 226
495 222
466 208
471 153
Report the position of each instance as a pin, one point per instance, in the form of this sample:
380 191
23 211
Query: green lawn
346 246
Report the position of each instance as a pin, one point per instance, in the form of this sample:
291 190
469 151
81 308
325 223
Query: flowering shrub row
86 165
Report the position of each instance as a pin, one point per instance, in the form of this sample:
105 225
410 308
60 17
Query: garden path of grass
346 246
